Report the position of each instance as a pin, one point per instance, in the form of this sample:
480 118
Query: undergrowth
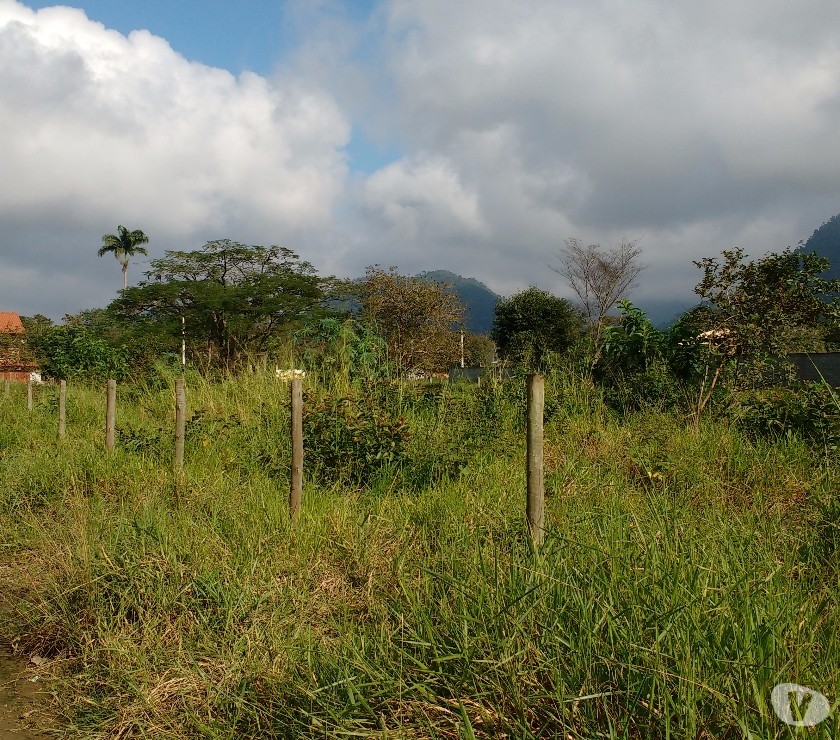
686 571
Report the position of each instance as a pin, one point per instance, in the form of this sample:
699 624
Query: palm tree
125 244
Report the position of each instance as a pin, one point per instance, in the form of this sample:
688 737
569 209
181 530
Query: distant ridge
479 301
825 241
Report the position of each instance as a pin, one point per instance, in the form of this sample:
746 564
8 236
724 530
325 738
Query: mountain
825 241
479 301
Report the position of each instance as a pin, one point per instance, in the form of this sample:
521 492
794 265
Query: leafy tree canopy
228 298
124 245
416 319
772 305
531 324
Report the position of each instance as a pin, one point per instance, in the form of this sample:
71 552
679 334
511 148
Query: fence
535 492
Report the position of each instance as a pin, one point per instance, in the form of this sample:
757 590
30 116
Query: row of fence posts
535 504
7 387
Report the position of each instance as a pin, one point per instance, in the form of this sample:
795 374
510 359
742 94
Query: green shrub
350 439
808 410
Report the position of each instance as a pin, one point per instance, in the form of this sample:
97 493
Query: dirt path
20 700
24 702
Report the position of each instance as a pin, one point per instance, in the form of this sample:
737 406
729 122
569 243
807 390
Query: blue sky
474 136
260 36
255 35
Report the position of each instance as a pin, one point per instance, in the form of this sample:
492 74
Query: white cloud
693 127
422 198
123 129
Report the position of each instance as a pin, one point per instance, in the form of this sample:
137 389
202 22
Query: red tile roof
10 322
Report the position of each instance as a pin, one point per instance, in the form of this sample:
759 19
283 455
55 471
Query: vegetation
692 554
226 300
124 245
772 305
532 324
417 319
684 575
599 278
478 300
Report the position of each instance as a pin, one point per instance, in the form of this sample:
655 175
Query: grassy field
685 572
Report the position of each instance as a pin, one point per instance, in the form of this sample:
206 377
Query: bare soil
22 699
24 702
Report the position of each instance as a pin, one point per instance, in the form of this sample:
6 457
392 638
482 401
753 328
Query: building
16 364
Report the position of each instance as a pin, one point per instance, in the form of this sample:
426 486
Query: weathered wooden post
535 509
29 394
296 488
180 423
6 388
62 409
110 415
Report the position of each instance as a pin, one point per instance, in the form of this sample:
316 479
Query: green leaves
123 245
234 298
71 351
776 304
533 323
352 439
415 318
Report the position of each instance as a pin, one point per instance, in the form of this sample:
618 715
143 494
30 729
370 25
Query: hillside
479 300
825 241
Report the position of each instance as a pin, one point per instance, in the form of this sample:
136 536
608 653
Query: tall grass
684 574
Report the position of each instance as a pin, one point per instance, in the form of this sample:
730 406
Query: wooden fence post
29 394
6 388
110 415
296 488
535 509
180 423
62 409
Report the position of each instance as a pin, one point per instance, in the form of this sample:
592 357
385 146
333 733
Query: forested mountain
478 299
825 241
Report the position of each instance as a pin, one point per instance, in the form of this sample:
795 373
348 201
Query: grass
685 573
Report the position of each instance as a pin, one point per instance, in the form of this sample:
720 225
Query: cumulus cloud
691 127
101 129
423 198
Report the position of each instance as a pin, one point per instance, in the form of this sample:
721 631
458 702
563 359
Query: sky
474 136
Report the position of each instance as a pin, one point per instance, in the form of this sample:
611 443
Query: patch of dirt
22 699
24 702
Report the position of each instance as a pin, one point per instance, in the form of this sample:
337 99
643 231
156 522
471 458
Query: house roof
10 322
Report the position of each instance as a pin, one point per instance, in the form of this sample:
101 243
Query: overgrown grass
684 574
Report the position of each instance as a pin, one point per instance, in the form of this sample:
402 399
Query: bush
352 439
69 352
809 410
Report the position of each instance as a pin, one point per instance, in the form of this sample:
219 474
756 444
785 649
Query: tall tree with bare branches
599 277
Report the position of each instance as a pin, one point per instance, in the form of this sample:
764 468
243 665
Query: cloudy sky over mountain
473 136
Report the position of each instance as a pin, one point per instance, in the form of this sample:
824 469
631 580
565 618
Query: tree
124 245
73 351
479 350
533 323
227 298
416 319
773 305
599 277
751 311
